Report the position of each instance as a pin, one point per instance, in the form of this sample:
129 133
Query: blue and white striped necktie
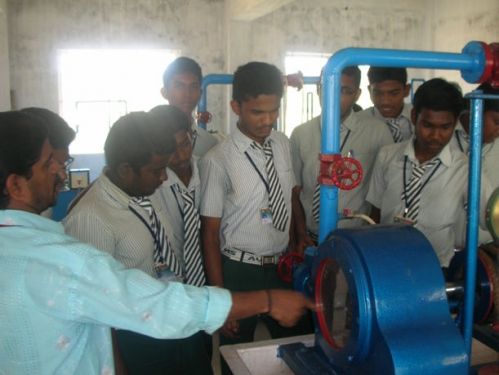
193 258
280 215
164 256
412 193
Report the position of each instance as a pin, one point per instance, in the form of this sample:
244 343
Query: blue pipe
311 80
474 179
210 79
471 63
226 79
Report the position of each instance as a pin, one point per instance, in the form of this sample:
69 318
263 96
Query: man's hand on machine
285 306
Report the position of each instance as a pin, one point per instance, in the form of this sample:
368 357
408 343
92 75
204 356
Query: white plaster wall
326 26
457 22
4 59
202 29
38 28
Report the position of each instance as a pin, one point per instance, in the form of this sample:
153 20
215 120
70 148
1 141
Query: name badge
266 215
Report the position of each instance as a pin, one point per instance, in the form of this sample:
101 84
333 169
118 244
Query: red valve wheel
286 264
204 117
346 173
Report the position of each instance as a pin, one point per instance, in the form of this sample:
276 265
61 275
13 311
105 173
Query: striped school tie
394 127
193 258
412 194
163 252
280 215
316 200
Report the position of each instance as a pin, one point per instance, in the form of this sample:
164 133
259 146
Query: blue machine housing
400 314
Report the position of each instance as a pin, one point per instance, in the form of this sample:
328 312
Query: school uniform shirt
60 296
203 141
490 153
443 197
232 189
360 138
490 158
168 202
103 219
404 119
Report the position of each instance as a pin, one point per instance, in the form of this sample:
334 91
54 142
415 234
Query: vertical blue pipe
330 144
474 179
210 79
471 63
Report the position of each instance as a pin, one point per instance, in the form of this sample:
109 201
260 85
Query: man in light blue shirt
60 296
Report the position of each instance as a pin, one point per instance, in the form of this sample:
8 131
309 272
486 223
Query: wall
38 28
326 26
457 22
4 59
202 29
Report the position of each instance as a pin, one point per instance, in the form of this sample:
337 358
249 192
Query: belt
250 258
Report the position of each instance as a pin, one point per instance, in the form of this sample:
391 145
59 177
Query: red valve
345 173
491 69
294 80
204 117
286 264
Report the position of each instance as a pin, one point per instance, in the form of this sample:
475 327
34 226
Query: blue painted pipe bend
471 63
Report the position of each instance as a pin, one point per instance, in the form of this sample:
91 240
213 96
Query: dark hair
379 74
354 72
60 134
21 140
135 138
182 65
254 79
489 104
173 118
438 95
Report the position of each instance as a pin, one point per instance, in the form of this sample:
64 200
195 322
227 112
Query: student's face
433 130
47 179
257 115
388 97
490 126
149 177
349 94
183 91
180 160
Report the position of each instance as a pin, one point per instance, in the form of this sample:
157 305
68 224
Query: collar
405 113
445 155
350 123
173 179
243 142
112 191
29 220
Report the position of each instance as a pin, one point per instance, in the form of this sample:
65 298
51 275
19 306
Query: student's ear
414 116
124 171
236 107
407 90
15 187
163 93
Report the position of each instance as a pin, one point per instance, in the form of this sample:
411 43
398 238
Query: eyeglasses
68 162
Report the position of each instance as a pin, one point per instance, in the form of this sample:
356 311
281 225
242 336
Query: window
96 87
301 106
